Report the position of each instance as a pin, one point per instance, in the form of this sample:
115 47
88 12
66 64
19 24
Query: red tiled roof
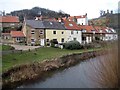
5 33
9 19
71 25
87 28
98 28
77 17
104 29
81 16
17 34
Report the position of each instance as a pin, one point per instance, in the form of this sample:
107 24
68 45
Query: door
42 43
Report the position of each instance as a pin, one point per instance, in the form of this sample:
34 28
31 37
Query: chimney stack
107 11
103 12
111 11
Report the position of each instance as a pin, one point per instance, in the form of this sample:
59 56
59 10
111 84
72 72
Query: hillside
37 11
110 20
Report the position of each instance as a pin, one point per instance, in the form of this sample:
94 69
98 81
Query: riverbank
37 55
31 71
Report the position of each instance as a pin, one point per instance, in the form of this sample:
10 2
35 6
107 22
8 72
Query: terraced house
73 31
93 33
34 32
42 32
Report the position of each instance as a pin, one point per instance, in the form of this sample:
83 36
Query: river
82 75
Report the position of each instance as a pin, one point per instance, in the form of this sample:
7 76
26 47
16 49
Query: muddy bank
22 73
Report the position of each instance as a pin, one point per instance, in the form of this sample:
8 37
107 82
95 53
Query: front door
42 43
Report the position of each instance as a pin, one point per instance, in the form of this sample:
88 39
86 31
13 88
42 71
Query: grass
5 47
41 54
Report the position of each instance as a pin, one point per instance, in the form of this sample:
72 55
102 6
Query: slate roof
45 24
53 25
35 23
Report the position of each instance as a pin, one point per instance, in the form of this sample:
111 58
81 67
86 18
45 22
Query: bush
53 43
72 45
92 45
12 48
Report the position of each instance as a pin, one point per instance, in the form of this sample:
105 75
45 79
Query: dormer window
51 23
70 24
107 30
83 30
100 31
93 31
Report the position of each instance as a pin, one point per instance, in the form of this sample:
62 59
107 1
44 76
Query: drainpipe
44 37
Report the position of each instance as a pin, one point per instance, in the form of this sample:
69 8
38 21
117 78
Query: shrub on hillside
72 45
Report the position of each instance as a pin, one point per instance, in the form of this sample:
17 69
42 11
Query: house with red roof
17 37
109 34
88 33
9 22
81 20
73 31
91 33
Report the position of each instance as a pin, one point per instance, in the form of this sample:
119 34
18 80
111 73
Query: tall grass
106 71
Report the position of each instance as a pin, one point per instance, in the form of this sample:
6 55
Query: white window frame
32 31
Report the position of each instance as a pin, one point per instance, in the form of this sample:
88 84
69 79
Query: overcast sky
72 7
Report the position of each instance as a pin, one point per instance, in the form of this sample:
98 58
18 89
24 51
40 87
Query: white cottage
73 31
81 20
110 34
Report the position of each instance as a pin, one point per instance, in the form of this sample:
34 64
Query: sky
72 7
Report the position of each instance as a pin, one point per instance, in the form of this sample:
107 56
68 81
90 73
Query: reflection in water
87 74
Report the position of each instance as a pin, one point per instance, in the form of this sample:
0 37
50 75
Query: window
54 32
62 40
77 32
93 31
51 23
12 24
54 39
83 30
47 40
100 31
74 39
41 32
84 38
70 24
71 32
17 39
62 32
32 32
32 40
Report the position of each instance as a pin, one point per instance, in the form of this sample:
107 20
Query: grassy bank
40 54
6 47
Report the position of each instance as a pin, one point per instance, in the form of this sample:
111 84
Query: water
78 76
